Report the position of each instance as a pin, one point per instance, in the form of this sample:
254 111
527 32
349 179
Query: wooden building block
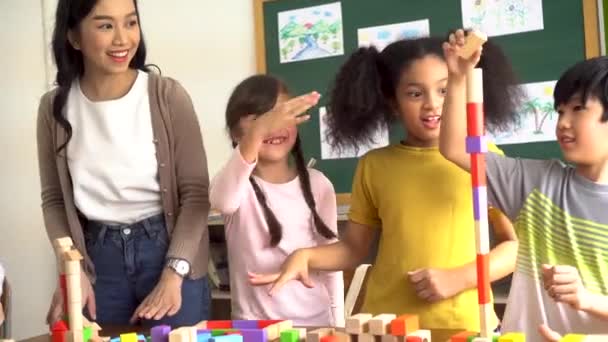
316 335
201 325
404 325
160 333
513 337
419 336
329 338
179 335
596 338
227 338
245 324
218 325
129 337
380 324
358 323
343 337
254 335
573 338
290 335
462 336
473 41
366 337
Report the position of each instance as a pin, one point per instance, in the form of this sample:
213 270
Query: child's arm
229 186
344 254
438 284
334 281
564 284
347 253
453 117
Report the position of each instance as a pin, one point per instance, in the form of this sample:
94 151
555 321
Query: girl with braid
273 205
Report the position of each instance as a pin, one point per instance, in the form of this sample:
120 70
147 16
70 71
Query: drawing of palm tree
547 110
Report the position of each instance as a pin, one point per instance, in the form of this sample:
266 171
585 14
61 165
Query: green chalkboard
537 56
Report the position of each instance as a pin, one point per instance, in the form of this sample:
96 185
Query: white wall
24 248
208 46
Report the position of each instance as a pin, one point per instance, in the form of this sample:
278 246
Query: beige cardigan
182 170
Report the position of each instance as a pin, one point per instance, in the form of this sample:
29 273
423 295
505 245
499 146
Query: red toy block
463 336
475 119
478 170
483 274
330 338
219 324
59 331
264 323
404 325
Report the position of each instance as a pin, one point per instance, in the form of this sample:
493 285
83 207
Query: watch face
182 267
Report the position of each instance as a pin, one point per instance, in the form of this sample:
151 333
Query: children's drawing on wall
328 152
311 32
537 118
381 36
500 17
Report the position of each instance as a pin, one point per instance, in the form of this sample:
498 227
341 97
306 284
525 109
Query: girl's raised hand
284 115
458 66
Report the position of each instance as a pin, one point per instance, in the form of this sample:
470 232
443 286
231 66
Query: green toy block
87 332
291 335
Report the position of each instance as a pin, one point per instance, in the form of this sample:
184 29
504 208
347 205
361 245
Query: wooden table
438 335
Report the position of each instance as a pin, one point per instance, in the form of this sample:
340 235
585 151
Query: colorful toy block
404 325
219 325
358 323
227 338
254 335
318 334
160 333
381 324
474 40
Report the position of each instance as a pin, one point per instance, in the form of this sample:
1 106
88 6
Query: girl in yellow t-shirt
418 201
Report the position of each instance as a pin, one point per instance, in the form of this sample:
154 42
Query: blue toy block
203 337
227 338
477 144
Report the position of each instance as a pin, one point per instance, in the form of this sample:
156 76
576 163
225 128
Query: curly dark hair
365 86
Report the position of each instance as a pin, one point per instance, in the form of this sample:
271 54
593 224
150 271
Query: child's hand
548 334
284 115
564 284
55 313
458 66
294 268
433 284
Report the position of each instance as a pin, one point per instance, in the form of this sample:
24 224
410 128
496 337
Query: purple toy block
477 144
227 338
480 203
254 335
245 324
203 331
160 333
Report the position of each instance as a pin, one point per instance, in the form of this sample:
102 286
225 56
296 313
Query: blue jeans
129 260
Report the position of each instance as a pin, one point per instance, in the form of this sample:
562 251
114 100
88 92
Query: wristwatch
179 266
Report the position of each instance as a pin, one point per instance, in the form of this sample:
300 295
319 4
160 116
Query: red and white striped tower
477 146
